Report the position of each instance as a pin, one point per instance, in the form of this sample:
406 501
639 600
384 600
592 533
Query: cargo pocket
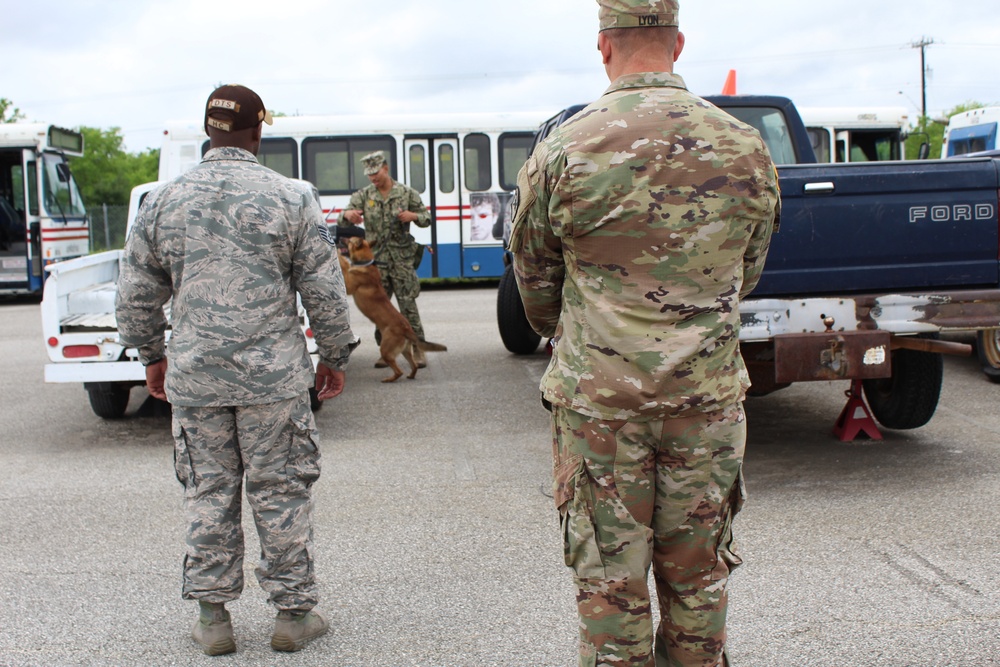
303 455
575 500
183 468
728 555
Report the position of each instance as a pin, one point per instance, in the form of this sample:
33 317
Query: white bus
463 165
971 132
42 218
856 134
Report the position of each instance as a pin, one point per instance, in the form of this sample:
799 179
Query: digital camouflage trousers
634 495
274 447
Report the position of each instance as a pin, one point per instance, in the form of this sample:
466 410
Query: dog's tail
427 346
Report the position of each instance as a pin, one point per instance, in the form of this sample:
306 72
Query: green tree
931 132
106 173
8 112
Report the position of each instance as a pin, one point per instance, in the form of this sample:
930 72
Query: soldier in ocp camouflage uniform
386 208
639 226
231 243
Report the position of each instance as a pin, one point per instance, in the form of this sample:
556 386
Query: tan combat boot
419 357
214 629
292 630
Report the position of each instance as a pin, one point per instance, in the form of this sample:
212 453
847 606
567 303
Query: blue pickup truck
872 263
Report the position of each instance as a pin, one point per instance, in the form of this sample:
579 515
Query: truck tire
988 346
517 335
108 400
909 398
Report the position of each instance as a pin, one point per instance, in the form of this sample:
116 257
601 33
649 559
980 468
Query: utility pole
922 45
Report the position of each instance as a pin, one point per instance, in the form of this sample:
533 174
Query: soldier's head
376 168
638 35
234 116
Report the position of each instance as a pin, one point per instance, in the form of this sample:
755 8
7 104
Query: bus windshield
59 192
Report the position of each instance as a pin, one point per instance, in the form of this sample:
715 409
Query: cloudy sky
136 64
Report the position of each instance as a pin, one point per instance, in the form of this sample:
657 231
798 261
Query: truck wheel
909 398
517 335
988 345
108 400
314 402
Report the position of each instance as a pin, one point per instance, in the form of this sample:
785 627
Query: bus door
13 230
430 166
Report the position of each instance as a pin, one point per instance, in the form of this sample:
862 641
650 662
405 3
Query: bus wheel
314 402
909 398
517 335
988 345
108 400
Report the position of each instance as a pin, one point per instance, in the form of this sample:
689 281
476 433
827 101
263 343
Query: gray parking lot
437 544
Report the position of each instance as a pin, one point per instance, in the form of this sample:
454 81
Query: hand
407 216
156 374
329 382
354 216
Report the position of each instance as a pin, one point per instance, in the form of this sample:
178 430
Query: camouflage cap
234 107
638 13
373 162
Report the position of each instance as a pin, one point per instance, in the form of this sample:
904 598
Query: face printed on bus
484 210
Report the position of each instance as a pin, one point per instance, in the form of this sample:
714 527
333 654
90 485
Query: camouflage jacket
390 239
639 225
232 243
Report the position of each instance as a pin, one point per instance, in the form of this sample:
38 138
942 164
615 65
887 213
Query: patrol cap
373 162
234 107
638 14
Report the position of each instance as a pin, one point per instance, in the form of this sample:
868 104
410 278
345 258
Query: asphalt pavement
436 540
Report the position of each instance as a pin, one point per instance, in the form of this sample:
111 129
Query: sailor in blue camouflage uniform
639 226
230 244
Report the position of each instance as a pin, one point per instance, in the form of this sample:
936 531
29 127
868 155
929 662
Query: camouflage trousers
632 495
274 446
400 279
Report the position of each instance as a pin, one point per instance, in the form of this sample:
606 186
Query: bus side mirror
924 151
62 170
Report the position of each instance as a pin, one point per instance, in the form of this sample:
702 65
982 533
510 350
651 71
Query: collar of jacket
647 80
228 153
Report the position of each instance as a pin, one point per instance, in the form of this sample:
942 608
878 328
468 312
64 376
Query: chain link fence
107 227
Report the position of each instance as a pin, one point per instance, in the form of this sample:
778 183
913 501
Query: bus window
477 162
446 168
417 168
279 154
62 199
30 168
334 165
514 151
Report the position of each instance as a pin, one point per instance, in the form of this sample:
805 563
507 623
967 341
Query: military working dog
364 283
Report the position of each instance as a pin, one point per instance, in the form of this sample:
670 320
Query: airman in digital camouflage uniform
386 209
639 226
232 242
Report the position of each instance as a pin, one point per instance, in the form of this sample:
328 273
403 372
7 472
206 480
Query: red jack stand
855 417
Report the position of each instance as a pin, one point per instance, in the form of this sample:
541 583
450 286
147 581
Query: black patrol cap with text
234 107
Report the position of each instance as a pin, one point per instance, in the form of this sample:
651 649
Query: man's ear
679 46
604 46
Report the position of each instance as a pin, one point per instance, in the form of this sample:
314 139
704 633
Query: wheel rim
990 341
